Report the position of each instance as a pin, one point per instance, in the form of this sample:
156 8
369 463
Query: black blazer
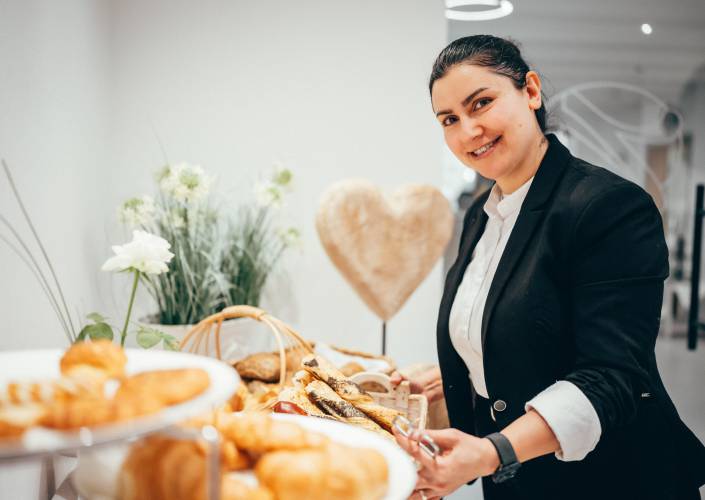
577 296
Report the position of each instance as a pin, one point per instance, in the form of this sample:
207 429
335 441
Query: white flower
176 220
291 237
146 253
184 182
137 212
268 194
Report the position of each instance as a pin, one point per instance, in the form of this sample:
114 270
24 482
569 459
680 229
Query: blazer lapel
532 210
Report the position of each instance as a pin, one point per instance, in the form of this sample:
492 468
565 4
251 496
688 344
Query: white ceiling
571 42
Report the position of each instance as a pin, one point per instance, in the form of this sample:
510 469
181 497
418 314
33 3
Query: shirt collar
502 206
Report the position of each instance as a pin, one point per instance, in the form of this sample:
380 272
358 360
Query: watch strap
507 457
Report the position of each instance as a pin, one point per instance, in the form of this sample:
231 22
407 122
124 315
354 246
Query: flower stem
129 308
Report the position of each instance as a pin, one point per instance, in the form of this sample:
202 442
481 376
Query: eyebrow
465 101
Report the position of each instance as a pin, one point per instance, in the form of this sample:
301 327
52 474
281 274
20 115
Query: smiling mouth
486 149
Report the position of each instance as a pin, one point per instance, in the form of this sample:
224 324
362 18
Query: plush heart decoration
384 246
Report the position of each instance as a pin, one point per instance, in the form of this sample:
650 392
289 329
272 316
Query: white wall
336 89
53 123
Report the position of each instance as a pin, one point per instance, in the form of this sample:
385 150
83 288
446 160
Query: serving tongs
426 442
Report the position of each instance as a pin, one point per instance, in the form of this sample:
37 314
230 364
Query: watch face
506 472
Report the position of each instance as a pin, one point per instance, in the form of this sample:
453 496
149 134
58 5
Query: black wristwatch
508 463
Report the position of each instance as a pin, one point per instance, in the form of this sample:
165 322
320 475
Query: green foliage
220 260
100 329
249 256
149 337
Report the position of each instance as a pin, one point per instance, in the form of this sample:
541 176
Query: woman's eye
448 120
481 103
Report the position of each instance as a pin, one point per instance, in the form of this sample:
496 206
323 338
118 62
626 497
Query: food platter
38 365
402 472
95 475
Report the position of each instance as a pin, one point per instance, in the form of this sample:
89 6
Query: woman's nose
470 128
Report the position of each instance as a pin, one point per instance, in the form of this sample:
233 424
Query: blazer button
499 405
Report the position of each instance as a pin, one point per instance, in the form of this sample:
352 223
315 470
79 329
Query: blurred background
96 95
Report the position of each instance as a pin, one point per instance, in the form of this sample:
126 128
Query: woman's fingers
402 442
434 391
396 378
445 438
427 462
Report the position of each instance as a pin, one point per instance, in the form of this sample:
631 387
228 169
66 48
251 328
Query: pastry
334 471
325 371
15 419
264 366
256 433
235 489
350 391
167 387
103 356
351 368
299 397
326 399
160 467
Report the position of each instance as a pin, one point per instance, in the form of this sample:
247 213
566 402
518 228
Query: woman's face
488 123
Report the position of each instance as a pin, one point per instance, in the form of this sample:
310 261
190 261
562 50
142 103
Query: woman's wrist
489 457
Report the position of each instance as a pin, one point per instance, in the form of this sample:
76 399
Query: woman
549 316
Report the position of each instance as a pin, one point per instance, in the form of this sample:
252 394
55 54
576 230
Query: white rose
146 253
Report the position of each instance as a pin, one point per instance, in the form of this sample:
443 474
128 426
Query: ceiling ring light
500 9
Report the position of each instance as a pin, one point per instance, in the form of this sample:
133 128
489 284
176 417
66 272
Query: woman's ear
533 89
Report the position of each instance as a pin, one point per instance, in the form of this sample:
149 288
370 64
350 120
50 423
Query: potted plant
220 260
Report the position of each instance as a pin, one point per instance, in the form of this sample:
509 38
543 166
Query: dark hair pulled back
502 56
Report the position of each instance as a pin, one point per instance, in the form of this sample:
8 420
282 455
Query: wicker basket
413 406
360 354
208 331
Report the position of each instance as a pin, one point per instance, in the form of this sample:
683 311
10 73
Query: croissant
168 387
102 355
256 433
334 471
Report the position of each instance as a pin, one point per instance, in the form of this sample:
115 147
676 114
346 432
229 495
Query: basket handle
202 331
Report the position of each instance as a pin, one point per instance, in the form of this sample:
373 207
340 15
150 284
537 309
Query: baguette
350 391
300 398
325 371
330 402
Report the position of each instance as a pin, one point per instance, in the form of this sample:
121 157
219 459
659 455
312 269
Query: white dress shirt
563 406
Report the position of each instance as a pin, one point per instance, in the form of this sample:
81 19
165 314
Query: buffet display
262 457
289 424
94 389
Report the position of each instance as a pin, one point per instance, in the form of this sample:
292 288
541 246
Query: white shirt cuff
571 417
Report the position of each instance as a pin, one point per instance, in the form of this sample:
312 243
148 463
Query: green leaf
82 336
97 317
98 331
148 337
170 342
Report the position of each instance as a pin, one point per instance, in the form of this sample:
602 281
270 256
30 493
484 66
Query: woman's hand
463 458
428 383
